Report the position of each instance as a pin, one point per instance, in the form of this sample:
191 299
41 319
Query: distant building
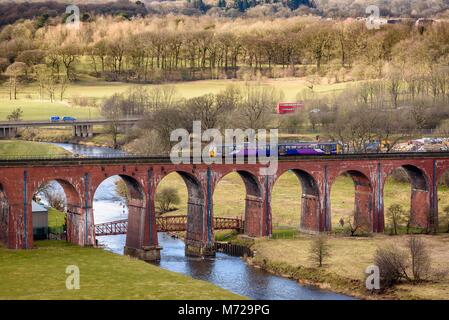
289 107
40 221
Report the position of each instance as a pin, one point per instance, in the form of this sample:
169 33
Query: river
230 273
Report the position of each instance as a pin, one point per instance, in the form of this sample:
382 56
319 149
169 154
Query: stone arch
4 216
137 204
73 210
420 207
199 230
73 197
310 215
363 213
253 202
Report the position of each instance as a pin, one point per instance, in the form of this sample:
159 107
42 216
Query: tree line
185 48
43 11
162 110
353 117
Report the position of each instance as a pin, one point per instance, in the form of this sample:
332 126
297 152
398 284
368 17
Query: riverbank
27 148
41 274
65 135
344 270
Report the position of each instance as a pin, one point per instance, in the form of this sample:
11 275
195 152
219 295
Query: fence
233 249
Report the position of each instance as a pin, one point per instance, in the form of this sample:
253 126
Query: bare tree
394 83
353 127
419 257
51 84
40 73
63 84
112 110
210 110
56 201
256 105
395 216
68 54
165 96
319 250
356 223
54 198
15 71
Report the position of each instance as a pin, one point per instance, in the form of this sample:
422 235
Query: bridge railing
228 223
111 228
171 223
167 224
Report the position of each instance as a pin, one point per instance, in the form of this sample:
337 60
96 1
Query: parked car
68 119
55 118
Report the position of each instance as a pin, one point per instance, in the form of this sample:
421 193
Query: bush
392 263
15 115
165 198
395 264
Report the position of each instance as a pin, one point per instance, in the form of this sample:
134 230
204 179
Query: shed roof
36 207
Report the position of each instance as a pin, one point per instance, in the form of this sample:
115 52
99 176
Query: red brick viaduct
19 180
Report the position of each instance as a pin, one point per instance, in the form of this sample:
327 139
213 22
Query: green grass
99 89
27 148
284 233
56 219
35 109
40 274
43 110
225 235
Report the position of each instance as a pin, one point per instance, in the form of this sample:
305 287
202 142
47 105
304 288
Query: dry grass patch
349 257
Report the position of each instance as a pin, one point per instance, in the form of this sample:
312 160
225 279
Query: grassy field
40 274
229 198
43 110
55 218
344 270
35 109
26 148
